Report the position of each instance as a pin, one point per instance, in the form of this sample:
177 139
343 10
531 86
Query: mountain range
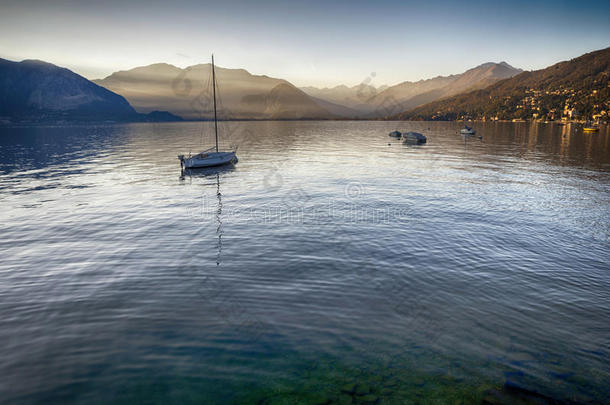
576 88
37 91
247 96
186 92
354 98
371 102
408 95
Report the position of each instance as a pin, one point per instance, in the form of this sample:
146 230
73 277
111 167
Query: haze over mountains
39 91
409 95
247 96
376 103
285 101
355 97
186 92
576 88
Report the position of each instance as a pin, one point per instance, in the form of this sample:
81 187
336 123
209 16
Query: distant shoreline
100 123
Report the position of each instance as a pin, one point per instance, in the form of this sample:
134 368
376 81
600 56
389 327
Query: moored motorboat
395 134
413 137
589 127
467 130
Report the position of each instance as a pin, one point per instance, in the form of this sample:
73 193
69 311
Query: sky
317 43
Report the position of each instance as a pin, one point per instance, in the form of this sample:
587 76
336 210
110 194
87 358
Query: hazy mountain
581 84
337 109
40 91
285 101
408 95
161 116
355 97
187 92
368 101
395 97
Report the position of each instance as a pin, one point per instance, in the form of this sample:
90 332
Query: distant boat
467 130
590 127
395 134
210 157
414 137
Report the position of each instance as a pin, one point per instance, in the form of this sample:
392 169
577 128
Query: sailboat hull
209 160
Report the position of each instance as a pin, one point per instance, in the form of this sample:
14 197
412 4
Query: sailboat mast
214 87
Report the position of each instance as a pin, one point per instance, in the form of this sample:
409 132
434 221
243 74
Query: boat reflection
205 172
212 173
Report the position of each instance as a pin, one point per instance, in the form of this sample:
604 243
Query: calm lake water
327 265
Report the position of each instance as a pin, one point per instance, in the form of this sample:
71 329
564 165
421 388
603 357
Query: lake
331 264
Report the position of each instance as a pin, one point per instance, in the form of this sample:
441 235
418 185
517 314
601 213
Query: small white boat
395 134
467 130
414 137
210 157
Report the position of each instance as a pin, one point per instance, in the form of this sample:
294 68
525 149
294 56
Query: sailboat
213 156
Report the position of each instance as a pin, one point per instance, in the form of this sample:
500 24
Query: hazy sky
306 42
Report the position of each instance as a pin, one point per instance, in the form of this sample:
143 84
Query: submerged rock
345 399
514 394
369 399
363 389
349 388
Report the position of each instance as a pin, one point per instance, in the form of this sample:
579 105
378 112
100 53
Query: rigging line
221 109
203 100
214 88
227 124
225 117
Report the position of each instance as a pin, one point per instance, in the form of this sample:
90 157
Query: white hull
209 159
